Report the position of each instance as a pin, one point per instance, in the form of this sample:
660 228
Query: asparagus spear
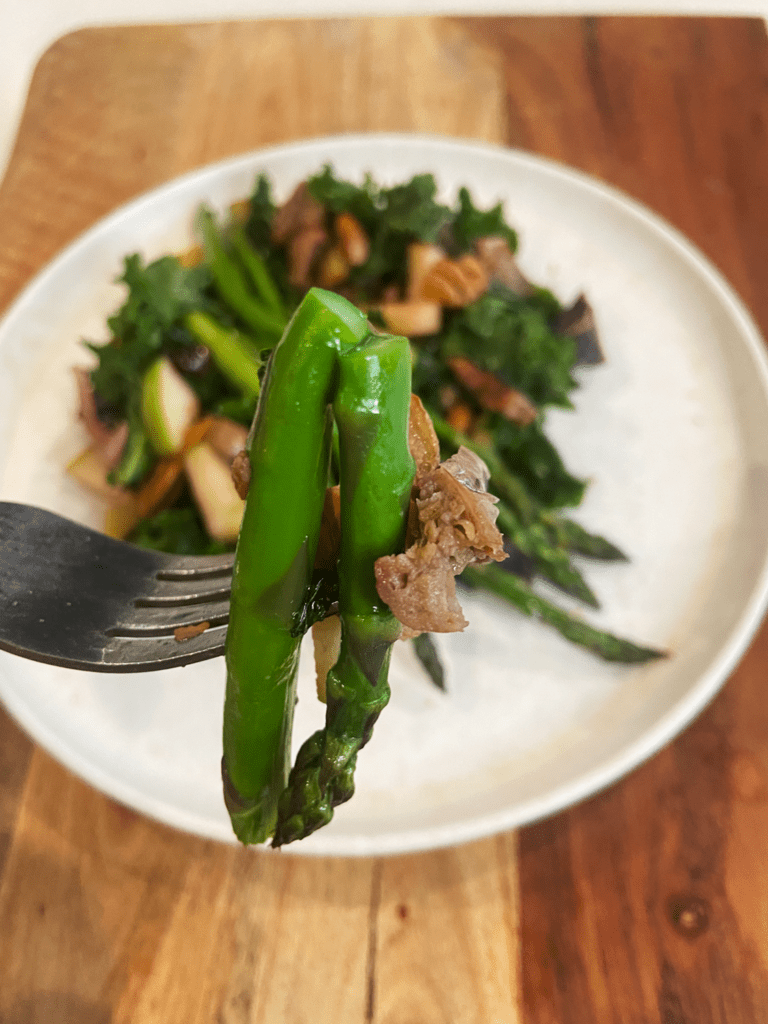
549 559
289 451
519 593
371 409
234 287
235 354
426 651
575 538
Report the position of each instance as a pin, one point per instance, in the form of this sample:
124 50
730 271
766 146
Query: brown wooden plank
15 754
650 903
446 943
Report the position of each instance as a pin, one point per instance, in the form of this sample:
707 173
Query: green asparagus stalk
257 271
519 593
426 651
235 355
575 538
289 450
551 562
371 409
233 286
547 538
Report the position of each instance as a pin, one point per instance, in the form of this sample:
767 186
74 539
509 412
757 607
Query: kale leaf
258 226
530 455
511 337
391 217
159 294
471 223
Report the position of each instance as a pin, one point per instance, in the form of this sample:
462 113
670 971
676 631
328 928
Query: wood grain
646 904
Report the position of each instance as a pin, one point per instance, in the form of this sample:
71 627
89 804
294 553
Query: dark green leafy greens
159 295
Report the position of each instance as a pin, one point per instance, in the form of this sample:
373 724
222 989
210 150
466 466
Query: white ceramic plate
672 431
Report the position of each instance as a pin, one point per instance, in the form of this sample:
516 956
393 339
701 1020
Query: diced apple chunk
414 318
215 496
169 406
90 470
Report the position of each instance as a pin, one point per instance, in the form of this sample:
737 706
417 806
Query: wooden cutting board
648 903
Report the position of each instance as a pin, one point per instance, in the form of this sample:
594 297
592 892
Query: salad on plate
335 384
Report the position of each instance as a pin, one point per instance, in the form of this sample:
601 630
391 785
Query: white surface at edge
28 29
677 717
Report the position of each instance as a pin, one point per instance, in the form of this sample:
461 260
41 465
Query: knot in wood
690 915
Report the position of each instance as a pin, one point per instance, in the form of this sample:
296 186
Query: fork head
74 597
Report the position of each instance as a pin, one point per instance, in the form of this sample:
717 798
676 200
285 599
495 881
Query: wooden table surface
648 903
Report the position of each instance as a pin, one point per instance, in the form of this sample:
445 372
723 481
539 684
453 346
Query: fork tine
184 591
197 567
164 621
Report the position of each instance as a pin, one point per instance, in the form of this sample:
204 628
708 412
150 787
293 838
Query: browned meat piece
419 588
297 213
500 265
454 525
303 248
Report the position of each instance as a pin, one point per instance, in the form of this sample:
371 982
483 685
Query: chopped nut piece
461 417
192 257
352 239
455 283
421 257
241 473
422 439
492 393
240 211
